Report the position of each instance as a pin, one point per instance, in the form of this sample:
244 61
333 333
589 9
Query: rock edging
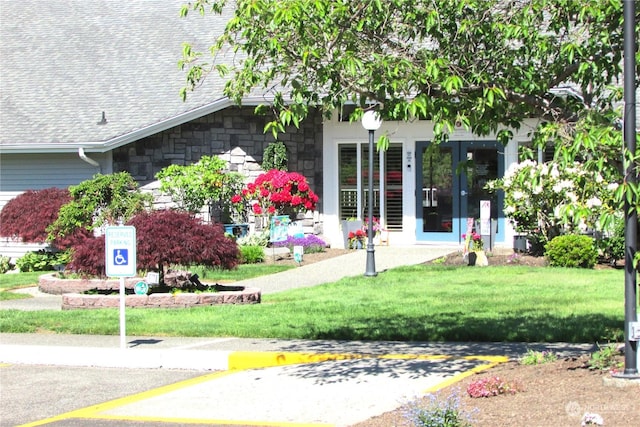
50 284
72 301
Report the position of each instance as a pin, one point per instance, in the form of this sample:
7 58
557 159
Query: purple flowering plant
310 243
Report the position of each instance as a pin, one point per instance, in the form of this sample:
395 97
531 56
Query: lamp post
370 121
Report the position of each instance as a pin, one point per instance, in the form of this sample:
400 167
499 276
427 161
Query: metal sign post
120 259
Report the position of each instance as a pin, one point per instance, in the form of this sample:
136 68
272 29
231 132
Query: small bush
612 246
438 412
252 254
28 215
310 243
572 250
492 386
606 358
538 357
255 239
42 260
88 258
5 264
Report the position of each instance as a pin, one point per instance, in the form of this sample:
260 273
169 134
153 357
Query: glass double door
450 180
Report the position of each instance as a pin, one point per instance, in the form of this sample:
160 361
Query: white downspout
92 162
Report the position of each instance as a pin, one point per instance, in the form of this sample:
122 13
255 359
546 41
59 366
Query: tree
168 237
203 183
102 200
487 64
163 238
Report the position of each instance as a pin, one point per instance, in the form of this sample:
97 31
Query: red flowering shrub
278 192
28 215
163 238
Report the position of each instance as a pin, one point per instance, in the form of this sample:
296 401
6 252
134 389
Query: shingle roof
64 62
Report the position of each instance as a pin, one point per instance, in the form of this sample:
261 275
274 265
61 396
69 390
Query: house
91 87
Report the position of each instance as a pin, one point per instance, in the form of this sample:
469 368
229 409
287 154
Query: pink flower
237 198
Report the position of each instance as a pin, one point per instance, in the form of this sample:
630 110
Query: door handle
463 193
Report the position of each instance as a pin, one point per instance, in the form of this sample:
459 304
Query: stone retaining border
50 284
74 301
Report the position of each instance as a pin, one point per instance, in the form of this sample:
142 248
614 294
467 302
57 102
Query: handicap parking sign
120 257
120 251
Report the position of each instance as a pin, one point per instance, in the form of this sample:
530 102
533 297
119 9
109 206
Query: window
353 176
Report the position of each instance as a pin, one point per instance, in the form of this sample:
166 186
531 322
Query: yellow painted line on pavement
491 362
205 421
240 361
90 411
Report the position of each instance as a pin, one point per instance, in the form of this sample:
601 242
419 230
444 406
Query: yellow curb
241 360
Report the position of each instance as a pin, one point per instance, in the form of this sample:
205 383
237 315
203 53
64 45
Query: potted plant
475 246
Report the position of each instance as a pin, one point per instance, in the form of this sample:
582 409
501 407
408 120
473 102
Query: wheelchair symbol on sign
120 256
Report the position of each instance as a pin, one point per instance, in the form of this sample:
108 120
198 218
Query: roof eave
113 143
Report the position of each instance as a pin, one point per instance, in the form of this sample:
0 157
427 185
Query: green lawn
15 281
421 303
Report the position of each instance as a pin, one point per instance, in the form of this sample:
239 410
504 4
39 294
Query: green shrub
538 357
42 260
606 358
612 246
572 250
252 254
5 264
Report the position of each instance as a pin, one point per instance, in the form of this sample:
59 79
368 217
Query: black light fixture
371 121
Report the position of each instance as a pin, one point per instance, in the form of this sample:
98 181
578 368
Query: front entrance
450 178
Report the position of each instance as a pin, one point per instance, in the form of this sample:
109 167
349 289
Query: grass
16 281
417 303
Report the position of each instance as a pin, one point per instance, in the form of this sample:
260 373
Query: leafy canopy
102 200
204 182
487 64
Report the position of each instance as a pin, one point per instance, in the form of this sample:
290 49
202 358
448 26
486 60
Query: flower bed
73 297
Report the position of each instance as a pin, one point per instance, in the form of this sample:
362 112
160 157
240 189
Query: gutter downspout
92 162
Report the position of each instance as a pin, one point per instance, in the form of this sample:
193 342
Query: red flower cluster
358 234
277 192
492 386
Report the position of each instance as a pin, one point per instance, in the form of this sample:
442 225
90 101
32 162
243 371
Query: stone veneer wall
236 134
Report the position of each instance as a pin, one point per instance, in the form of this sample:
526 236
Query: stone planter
520 243
347 227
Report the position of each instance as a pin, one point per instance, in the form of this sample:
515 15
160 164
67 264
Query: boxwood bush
572 250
